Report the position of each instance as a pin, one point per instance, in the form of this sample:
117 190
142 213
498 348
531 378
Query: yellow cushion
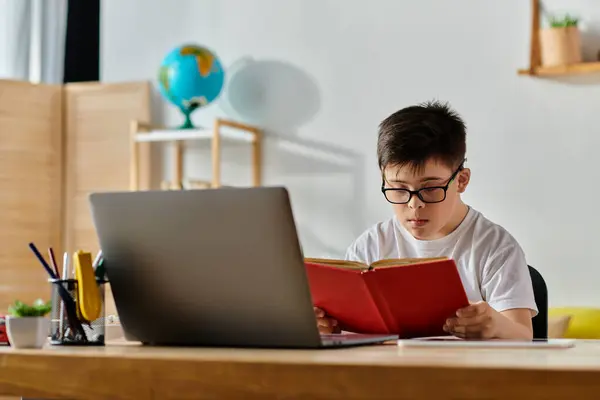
584 321
558 326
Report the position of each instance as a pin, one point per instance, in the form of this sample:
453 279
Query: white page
451 341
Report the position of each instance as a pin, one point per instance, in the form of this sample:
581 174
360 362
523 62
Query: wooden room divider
58 143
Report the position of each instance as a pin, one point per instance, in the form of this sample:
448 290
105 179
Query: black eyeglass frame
418 192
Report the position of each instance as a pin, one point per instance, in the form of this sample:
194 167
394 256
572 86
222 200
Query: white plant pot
27 332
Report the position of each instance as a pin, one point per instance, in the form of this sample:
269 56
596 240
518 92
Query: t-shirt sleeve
506 281
353 253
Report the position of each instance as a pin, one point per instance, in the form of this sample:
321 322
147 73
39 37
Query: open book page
396 262
337 263
392 262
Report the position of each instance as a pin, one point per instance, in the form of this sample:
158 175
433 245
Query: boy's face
437 216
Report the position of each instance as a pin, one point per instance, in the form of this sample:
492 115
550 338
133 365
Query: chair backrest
540 292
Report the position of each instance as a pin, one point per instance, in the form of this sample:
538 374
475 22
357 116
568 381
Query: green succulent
38 309
563 22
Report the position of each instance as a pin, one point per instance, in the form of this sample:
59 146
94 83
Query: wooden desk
129 371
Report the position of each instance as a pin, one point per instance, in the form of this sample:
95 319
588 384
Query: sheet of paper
451 341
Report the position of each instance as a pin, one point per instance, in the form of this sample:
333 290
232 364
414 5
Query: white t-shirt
490 262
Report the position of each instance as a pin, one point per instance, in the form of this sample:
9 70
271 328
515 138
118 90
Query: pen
65 265
65 275
97 259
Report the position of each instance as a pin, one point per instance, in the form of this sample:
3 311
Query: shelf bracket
535 58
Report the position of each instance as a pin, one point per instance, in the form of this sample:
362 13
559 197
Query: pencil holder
67 326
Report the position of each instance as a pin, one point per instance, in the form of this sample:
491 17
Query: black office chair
540 292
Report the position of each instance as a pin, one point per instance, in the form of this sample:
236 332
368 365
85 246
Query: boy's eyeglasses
432 194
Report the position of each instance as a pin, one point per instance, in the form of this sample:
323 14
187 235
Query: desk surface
130 371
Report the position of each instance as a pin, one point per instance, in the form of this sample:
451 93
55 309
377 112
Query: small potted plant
27 325
560 43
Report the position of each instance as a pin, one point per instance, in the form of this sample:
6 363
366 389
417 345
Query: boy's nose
415 202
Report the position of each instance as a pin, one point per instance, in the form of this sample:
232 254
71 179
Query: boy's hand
324 323
479 320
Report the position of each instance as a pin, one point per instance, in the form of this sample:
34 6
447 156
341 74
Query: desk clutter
77 298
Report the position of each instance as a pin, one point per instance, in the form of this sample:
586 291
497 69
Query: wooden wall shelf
535 60
573 69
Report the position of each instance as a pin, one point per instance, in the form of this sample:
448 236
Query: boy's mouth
417 222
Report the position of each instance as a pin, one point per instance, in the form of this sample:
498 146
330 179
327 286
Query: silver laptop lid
206 267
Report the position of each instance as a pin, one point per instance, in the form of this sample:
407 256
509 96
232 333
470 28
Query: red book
407 297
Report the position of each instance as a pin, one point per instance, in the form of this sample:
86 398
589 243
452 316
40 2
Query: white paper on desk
453 341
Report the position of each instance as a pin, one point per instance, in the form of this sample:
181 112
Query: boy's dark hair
415 134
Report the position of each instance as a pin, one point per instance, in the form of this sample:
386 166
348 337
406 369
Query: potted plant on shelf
27 325
560 43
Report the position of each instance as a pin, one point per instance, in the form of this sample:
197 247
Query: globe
190 77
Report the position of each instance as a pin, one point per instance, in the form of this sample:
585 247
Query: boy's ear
463 179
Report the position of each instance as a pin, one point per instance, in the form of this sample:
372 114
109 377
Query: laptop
210 267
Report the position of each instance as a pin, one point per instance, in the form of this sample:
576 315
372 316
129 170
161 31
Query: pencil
53 261
41 259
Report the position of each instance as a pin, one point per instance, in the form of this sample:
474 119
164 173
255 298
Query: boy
421 152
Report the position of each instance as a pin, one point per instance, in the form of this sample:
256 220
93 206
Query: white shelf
228 131
191 134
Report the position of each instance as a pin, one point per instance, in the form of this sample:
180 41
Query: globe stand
187 113
188 122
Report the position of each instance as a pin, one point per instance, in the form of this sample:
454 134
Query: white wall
532 143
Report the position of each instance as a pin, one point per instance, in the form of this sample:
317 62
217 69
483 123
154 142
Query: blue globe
190 77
